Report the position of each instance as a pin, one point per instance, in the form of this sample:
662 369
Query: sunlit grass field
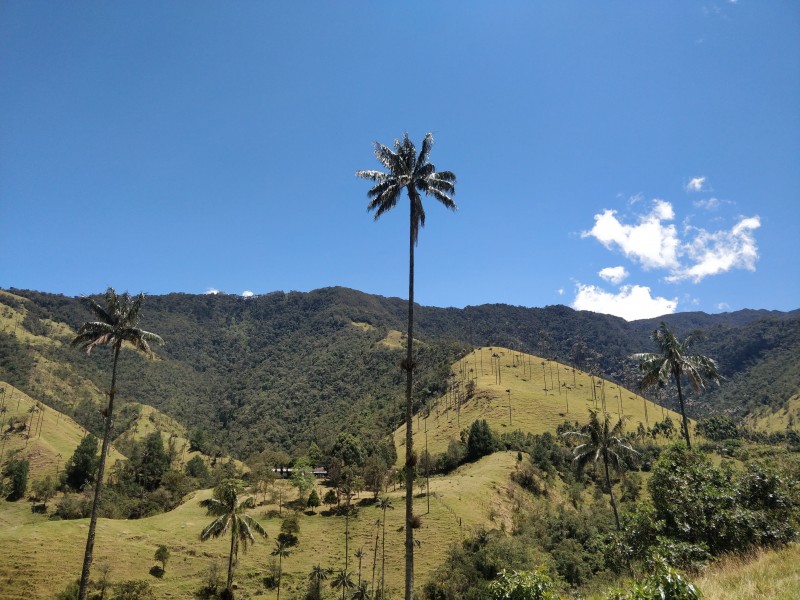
516 391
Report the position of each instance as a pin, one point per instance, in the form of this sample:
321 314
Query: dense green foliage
16 470
81 469
698 510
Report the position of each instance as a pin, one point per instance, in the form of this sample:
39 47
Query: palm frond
216 528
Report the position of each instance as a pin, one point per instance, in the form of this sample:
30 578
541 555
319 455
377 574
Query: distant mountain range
285 369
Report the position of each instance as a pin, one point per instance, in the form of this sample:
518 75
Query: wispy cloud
650 243
615 275
723 306
707 204
696 184
718 252
631 302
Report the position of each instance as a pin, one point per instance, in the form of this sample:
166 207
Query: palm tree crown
116 324
674 361
599 440
412 172
230 509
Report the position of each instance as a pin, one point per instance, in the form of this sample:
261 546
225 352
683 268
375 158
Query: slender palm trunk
383 558
280 572
98 488
409 363
684 420
611 491
375 560
229 582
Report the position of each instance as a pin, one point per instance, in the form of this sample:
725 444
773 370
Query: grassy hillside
541 395
41 556
49 439
770 420
773 574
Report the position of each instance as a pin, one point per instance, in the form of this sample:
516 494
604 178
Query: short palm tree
415 174
361 592
230 509
674 361
601 441
342 581
316 577
282 551
116 325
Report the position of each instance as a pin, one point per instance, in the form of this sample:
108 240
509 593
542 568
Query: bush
664 584
17 471
524 585
133 590
73 506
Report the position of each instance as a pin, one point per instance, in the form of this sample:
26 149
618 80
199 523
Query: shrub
524 585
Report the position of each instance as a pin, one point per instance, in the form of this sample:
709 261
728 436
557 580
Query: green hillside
517 391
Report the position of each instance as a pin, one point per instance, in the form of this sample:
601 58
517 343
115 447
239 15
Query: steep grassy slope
516 391
48 440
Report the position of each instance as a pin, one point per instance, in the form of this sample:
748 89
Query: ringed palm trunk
611 491
409 581
98 488
684 421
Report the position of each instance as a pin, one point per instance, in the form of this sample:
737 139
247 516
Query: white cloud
247 294
651 243
631 303
615 275
724 306
720 251
212 291
560 291
696 184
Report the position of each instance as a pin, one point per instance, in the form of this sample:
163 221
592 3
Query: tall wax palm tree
384 503
230 509
316 577
282 551
674 361
116 325
415 174
601 441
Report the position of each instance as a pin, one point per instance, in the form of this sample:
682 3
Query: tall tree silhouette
229 509
674 361
414 173
116 325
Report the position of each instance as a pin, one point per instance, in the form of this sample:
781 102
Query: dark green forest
284 369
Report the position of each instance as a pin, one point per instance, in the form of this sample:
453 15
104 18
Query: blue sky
635 158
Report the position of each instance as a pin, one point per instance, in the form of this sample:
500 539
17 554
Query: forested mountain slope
285 369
